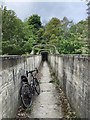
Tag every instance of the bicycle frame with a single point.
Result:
(32, 87)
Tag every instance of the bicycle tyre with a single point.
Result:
(26, 96)
(37, 86)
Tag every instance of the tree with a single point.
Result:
(35, 25)
(34, 21)
(19, 37)
(52, 27)
(0, 31)
(13, 37)
(40, 34)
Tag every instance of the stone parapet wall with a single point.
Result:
(12, 68)
(73, 72)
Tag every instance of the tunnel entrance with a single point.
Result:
(44, 55)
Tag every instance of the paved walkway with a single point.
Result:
(47, 104)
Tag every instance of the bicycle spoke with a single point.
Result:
(26, 96)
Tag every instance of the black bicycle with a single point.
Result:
(28, 90)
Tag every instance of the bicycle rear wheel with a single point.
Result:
(37, 86)
(26, 96)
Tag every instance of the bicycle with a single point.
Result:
(28, 90)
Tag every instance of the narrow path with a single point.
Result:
(47, 104)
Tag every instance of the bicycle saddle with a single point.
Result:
(24, 78)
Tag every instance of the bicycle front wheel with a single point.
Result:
(26, 96)
(37, 86)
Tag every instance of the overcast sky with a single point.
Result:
(75, 11)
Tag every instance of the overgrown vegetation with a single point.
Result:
(19, 37)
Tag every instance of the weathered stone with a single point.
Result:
(13, 67)
(74, 76)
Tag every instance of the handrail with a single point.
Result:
(45, 45)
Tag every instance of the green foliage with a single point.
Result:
(34, 21)
(19, 37)
(40, 35)
(52, 27)
(12, 33)
(69, 46)
(0, 31)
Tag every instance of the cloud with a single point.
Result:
(73, 11)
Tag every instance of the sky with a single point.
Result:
(75, 11)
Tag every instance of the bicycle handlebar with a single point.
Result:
(31, 71)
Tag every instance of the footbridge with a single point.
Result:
(72, 72)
